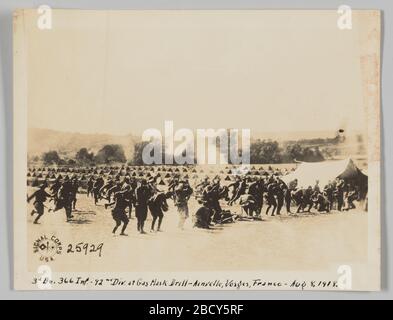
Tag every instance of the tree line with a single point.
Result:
(110, 153)
(261, 152)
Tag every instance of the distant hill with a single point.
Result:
(67, 143)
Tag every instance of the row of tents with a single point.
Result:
(306, 173)
(127, 169)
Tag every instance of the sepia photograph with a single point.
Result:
(196, 149)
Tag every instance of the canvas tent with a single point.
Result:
(308, 172)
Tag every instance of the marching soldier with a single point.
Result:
(90, 184)
(142, 196)
(96, 189)
(74, 190)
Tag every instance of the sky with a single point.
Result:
(124, 72)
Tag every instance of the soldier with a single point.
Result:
(211, 196)
(316, 191)
(96, 189)
(182, 194)
(298, 197)
(142, 196)
(65, 196)
(248, 204)
(115, 187)
(55, 186)
(90, 184)
(118, 212)
(74, 190)
(287, 198)
(54, 189)
(234, 185)
(133, 184)
(292, 185)
(106, 187)
(158, 206)
(340, 194)
(270, 196)
(173, 183)
(40, 197)
(202, 216)
(329, 191)
(307, 199)
(152, 184)
(279, 191)
(322, 202)
(256, 190)
(351, 196)
(241, 189)
(203, 183)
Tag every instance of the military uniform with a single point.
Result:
(40, 197)
(157, 206)
(118, 212)
(182, 194)
(142, 195)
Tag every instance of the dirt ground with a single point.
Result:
(280, 243)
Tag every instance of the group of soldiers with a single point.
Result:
(63, 194)
(253, 193)
(122, 194)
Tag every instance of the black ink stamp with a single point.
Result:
(47, 247)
